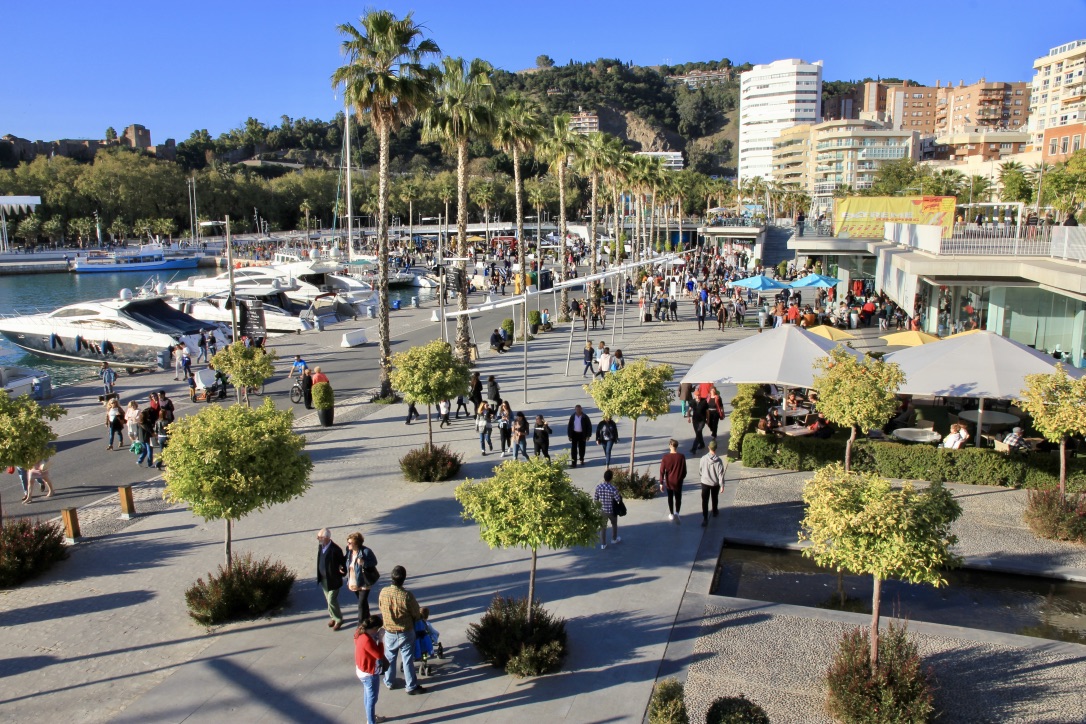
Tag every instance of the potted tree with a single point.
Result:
(535, 319)
(325, 402)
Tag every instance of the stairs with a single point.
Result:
(776, 246)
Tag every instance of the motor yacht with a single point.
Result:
(148, 257)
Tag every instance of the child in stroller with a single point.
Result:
(427, 640)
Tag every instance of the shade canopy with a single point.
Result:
(982, 364)
(815, 280)
(783, 356)
(909, 338)
(830, 332)
(759, 283)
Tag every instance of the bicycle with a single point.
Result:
(296, 392)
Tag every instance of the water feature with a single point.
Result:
(1026, 605)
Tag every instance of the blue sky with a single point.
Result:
(75, 67)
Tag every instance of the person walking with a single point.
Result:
(145, 432)
(577, 431)
(520, 436)
(412, 412)
(484, 425)
(462, 404)
(400, 612)
(306, 382)
(115, 420)
(360, 562)
(699, 415)
(132, 420)
(331, 567)
(475, 392)
(443, 411)
(607, 436)
(505, 428)
(165, 408)
(177, 355)
(109, 379)
(369, 659)
(605, 363)
(716, 411)
(608, 497)
(202, 344)
(493, 393)
(541, 437)
(589, 357)
(712, 470)
(672, 475)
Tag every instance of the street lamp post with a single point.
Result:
(230, 271)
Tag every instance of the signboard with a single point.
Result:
(251, 319)
(862, 217)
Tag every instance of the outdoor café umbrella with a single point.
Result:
(815, 280)
(909, 338)
(758, 283)
(982, 364)
(783, 356)
(831, 333)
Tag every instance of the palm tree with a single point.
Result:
(592, 164)
(558, 147)
(482, 192)
(464, 111)
(386, 83)
(539, 194)
(615, 173)
(444, 188)
(518, 130)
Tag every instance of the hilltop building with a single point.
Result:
(774, 97)
(584, 122)
(703, 78)
(135, 136)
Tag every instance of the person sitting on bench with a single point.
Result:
(496, 342)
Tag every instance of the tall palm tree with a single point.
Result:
(464, 111)
(517, 132)
(387, 84)
(559, 146)
(592, 164)
(538, 192)
(615, 172)
(444, 188)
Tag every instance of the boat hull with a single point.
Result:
(82, 267)
(119, 354)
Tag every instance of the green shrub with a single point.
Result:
(667, 705)
(247, 589)
(743, 417)
(323, 397)
(507, 325)
(534, 317)
(641, 486)
(1051, 515)
(503, 640)
(736, 710)
(390, 400)
(899, 692)
(425, 465)
(29, 548)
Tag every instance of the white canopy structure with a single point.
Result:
(783, 356)
(17, 205)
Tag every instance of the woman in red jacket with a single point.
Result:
(672, 475)
(369, 662)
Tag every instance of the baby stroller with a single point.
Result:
(427, 644)
(208, 387)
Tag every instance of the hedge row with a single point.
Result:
(971, 466)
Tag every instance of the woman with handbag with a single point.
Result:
(361, 572)
(484, 427)
(610, 501)
(369, 663)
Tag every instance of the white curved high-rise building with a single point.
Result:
(773, 97)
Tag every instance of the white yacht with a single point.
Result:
(126, 332)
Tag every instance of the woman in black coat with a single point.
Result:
(307, 388)
(476, 391)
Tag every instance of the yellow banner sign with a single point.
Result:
(862, 217)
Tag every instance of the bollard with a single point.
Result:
(415, 302)
(371, 312)
(435, 317)
(128, 506)
(71, 525)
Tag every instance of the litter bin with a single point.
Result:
(394, 305)
(43, 388)
(546, 279)
(415, 302)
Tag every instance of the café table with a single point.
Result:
(916, 434)
(992, 418)
(796, 430)
(791, 412)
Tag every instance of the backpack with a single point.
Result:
(614, 365)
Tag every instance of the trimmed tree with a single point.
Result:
(859, 395)
(26, 438)
(528, 505)
(1055, 402)
(429, 374)
(858, 522)
(638, 389)
(246, 366)
(227, 462)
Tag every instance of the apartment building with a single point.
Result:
(1058, 94)
(773, 97)
(1061, 141)
(849, 152)
(670, 160)
(584, 122)
(988, 144)
(703, 78)
(792, 156)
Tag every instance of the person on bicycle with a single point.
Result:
(298, 367)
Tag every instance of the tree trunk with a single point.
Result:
(229, 550)
(592, 222)
(562, 231)
(518, 193)
(617, 246)
(429, 428)
(876, 600)
(848, 449)
(1063, 466)
(531, 592)
(633, 446)
(462, 340)
(385, 353)
(652, 222)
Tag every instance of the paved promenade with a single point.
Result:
(104, 636)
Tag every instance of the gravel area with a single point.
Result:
(778, 661)
(991, 534)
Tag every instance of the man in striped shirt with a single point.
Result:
(607, 496)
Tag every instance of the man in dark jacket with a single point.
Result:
(331, 567)
(578, 431)
(699, 415)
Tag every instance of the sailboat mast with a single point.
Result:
(350, 211)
